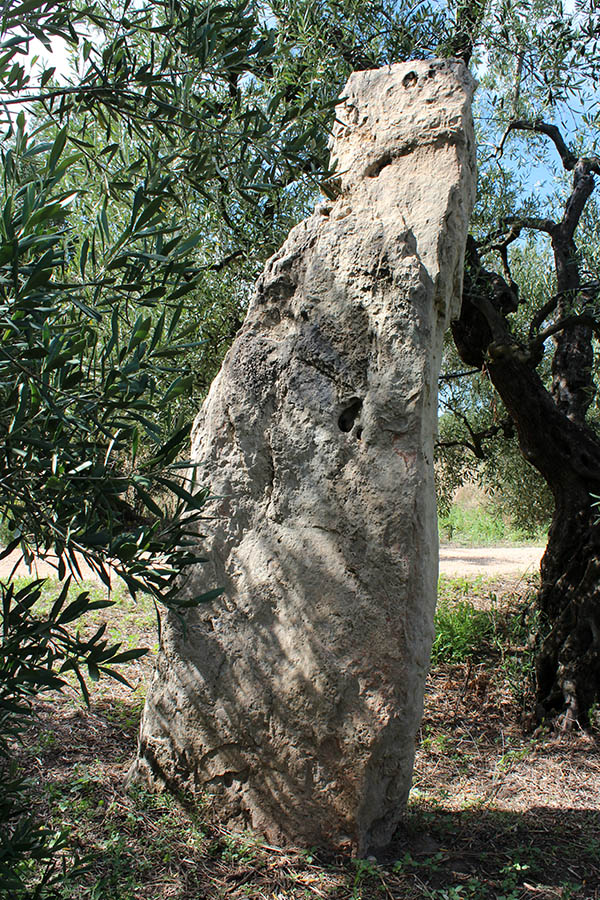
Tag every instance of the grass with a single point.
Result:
(480, 526)
(496, 629)
(496, 811)
(461, 631)
(474, 521)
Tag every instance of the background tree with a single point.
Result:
(537, 347)
(477, 441)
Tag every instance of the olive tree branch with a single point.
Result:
(451, 376)
(583, 185)
(477, 437)
(510, 231)
(541, 315)
(569, 159)
(562, 324)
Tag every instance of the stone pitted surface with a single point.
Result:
(298, 693)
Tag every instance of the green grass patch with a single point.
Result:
(461, 631)
(499, 633)
(480, 525)
(128, 617)
(457, 587)
(128, 838)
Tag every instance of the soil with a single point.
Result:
(490, 561)
(454, 562)
(13, 566)
(497, 809)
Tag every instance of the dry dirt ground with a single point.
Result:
(490, 561)
(454, 561)
(14, 567)
(499, 810)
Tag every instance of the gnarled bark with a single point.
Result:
(554, 438)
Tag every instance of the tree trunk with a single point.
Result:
(567, 454)
(568, 655)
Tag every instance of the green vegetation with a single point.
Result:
(474, 518)
(503, 631)
(492, 467)
(477, 526)
(461, 631)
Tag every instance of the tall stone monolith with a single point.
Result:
(297, 695)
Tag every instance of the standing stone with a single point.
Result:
(297, 694)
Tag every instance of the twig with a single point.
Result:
(385, 887)
(569, 159)
(452, 375)
(463, 689)
(568, 322)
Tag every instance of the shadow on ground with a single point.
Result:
(542, 852)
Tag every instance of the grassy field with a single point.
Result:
(497, 809)
(474, 521)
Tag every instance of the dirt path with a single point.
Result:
(490, 561)
(13, 565)
(454, 561)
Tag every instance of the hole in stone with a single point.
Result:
(228, 778)
(359, 433)
(379, 165)
(409, 79)
(348, 417)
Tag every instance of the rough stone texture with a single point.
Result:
(299, 692)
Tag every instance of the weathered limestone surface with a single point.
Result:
(299, 692)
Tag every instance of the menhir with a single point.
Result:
(297, 695)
